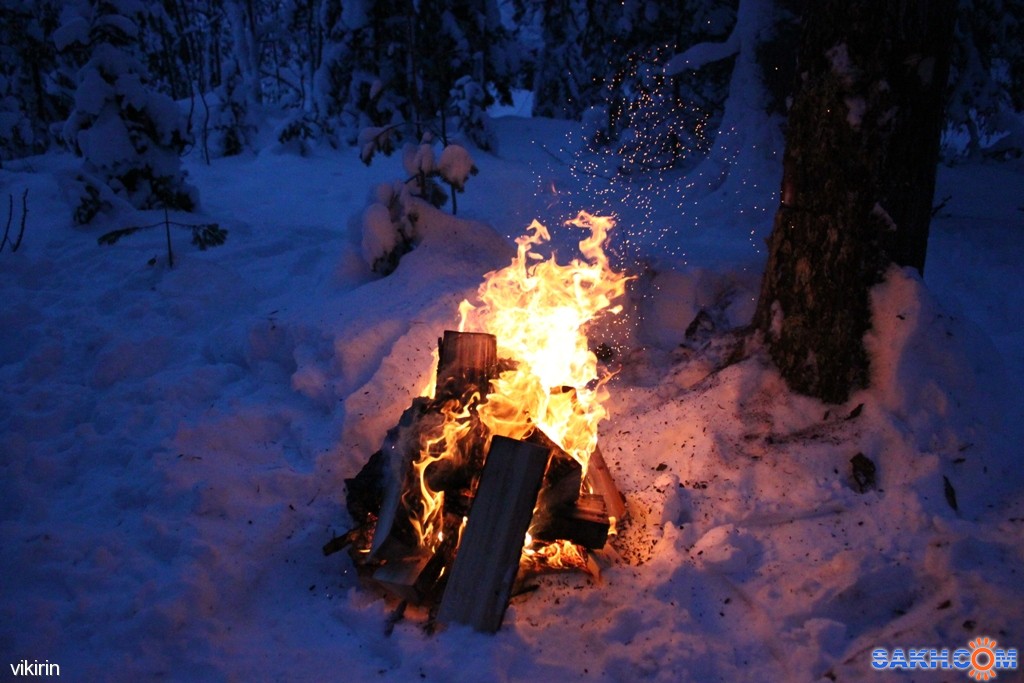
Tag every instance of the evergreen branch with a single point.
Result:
(204, 235)
(112, 237)
(207, 235)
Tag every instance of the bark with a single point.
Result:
(858, 179)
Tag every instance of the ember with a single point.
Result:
(498, 471)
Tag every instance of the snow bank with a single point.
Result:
(175, 442)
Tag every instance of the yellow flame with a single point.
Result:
(554, 555)
(428, 520)
(539, 311)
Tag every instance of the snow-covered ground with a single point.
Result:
(174, 441)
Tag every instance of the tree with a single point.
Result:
(561, 77)
(858, 178)
(987, 75)
(29, 98)
(129, 135)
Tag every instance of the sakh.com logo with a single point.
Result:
(981, 659)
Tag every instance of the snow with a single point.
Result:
(174, 440)
(702, 54)
(842, 66)
(456, 165)
(75, 30)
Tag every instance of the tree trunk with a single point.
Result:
(858, 178)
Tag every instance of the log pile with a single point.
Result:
(459, 553)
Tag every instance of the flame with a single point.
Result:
(428, 520)
(539, 311)
(539, 555)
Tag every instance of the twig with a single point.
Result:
(167, 229)
(553, 155)
(339, 543)
(204, 235)
(395, 617)
(941, 205)
(10, 217)
(24, 215)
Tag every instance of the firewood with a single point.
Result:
(560, 488)
(394, 536)
(417, 579)
(485, 566)
(563, 477)
(395, 617)
(365, 491)
(599, 482)
(584, 523)
(466, 362)
(339, 543)
(400, 577)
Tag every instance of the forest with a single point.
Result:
(746, 278)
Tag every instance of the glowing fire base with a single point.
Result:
(497, 469)
(524, 507)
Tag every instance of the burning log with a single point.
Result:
(420, 579)
(440, 524)
(466, 362)
(394, 536)
(584, 523)
(563, 478)
(485, 566)
(402, 577)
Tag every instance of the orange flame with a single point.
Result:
(539, 311)
(539, 555)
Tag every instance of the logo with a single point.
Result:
(981, 659)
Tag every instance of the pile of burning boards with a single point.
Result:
(448, 513)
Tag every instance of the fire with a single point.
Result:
(539, 311)
(556, 555)
(428, 523)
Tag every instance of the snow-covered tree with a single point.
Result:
(30, 99)
(230, 124)
(653, 120)
(129, 136)
(987, 82)
(562, 85)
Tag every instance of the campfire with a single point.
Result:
(495, 471)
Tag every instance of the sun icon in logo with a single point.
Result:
(983, 658)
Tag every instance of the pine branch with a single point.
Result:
(204, 235)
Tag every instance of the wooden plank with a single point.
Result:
(485, 566)
(599, 481)
(401, 577)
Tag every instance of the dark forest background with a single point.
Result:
(130, 86)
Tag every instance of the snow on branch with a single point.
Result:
(700, 55)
